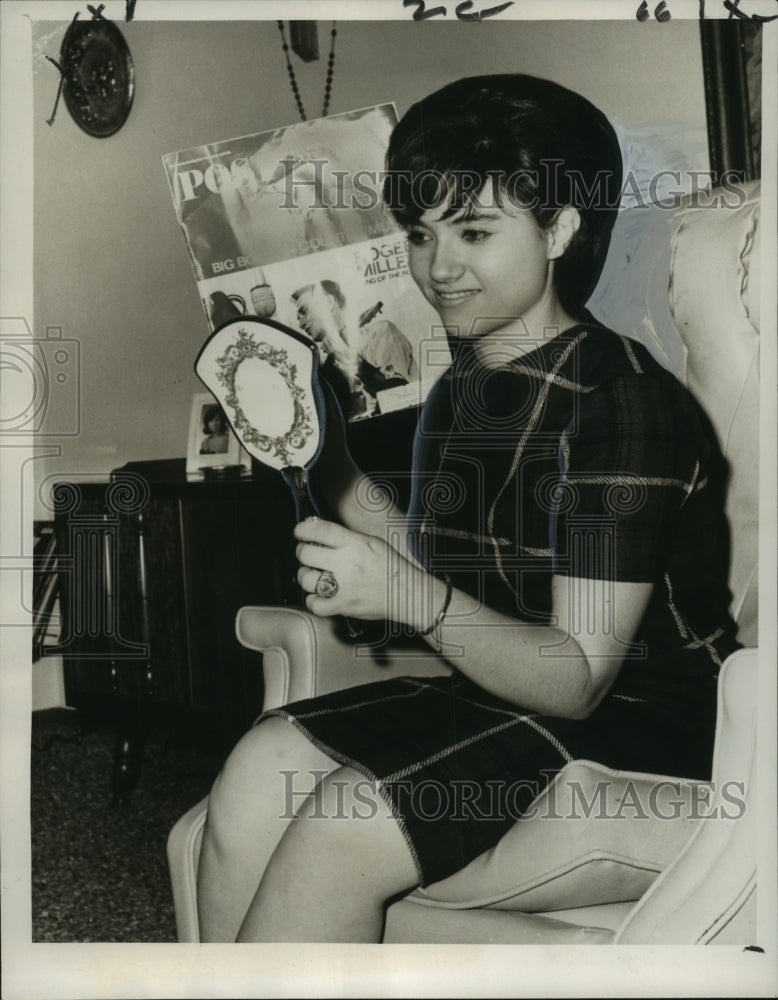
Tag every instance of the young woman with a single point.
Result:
(565, 549)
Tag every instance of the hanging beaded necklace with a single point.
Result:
(293, 79)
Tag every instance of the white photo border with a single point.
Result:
(37, 970)
(197, 462)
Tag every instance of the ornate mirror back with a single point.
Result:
(266, 378)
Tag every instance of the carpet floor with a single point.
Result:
(99, 872)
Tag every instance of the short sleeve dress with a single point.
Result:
(581, 458)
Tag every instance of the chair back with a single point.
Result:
(685, 281)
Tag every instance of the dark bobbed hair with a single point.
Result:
(545, 147)
(214, 410)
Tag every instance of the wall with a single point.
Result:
(111, 267)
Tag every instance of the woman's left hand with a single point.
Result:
(373, 580)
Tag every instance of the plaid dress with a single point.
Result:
(581, 458)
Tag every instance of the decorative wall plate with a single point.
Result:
(99, 76)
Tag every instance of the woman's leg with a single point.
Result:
(265, 779)
(334, 868)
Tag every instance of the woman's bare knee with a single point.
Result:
(272, 766)
(334, 868)
(348, 821)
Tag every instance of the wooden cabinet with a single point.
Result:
(153, 569)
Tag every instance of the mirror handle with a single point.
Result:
(296, 479)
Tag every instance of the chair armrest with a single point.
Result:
(304, 656)
(183, 852)
(708, 894)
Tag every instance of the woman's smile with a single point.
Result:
(452, 297)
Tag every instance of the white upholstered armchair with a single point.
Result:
(669, 865)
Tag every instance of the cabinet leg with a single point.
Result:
(127, 758)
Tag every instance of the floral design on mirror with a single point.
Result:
(294, 422)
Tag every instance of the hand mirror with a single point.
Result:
(266, 378)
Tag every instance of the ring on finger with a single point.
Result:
(326, 585)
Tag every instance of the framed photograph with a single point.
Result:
(212, 447)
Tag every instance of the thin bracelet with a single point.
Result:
(436, 626)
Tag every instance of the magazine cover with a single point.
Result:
(290, 224)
